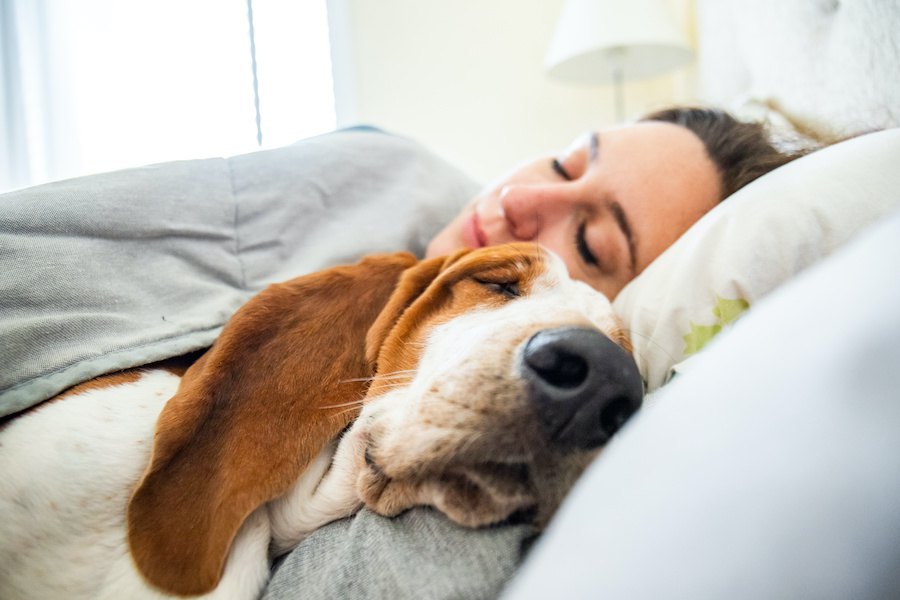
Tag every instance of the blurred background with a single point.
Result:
(96, 85)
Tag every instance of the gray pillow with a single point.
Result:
(121, 269)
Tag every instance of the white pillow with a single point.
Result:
(753, 242)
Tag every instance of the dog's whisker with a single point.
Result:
(343, 412)
(392, 386)
(397, 375)
(351, 403)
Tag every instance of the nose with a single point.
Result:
(583, 386)
(531, 208)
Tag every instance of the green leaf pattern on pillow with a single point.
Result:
(725, 311)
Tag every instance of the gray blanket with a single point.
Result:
(121, 269)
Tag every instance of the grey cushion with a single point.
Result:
(121, 269)
(420, 554)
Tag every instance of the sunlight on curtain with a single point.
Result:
(106, 84)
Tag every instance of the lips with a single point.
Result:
(473, 235)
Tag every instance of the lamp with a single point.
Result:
(610, 41)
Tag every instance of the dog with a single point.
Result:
(481, 384)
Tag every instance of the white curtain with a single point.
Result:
(95, 85)
(31, 81)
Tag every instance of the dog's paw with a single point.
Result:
(379, 492)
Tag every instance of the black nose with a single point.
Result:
(583, 385)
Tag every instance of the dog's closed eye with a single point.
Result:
(509, 289)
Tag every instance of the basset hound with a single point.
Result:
(481, 384)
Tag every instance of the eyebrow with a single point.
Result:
(616, 208)
(622, 221)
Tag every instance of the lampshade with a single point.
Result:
(595, 38)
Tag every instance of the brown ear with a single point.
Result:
(412, 284)
(251, 414)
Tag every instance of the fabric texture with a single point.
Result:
(752, 243)
(420, 554)
(829, 66)
(770, 470)
(121, 269)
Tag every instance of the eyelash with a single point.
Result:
(510, 289)
(560, 170)
(581, 246)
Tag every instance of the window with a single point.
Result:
(97, 85)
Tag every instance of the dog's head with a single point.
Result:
(489, 379)
(494, 387)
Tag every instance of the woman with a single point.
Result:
(608, 205)
(613, 201)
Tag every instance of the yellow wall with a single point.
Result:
(466, 77)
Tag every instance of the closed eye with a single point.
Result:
(584, 251)
(560, 170)
(509, 289)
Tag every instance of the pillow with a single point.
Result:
(751, 243)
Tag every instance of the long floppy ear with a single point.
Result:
(251, 414)
(412, 284)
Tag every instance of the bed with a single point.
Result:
(767, 460)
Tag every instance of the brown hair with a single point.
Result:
(741, 151)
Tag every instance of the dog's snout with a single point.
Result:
(583, 386)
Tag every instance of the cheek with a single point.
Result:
(557, 240)
(449, 238)
(608, 286)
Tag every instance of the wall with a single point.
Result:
(467, 78)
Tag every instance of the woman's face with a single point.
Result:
(608, 205)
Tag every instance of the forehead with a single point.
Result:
(670, 152)
(656, 138)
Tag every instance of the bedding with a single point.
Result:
(770, 470)
(752, 243)
(418, 555)
(827, 66)
(148, 198)
(116, 270)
